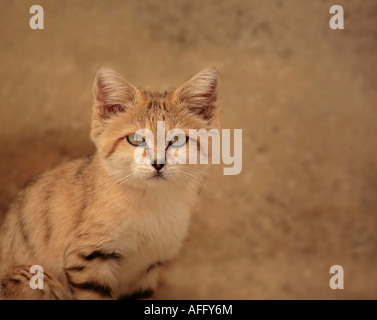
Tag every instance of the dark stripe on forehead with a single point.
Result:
(157, 94)
(156, 100)
(156, 104)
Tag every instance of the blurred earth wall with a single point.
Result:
(304, 95)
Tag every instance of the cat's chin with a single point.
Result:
(147, 182)
(157, 178)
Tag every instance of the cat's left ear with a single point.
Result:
(199, 94)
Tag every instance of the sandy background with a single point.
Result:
(304, 95)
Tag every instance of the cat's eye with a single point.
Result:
(135, 139)
(178, 141)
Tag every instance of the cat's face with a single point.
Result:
(121, 110)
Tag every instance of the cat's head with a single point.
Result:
(121, 109)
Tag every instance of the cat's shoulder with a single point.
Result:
(65, 171)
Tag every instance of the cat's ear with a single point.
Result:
(112, 94)
(199, 94)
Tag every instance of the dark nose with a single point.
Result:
(158, 166)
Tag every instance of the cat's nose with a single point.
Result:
(158, 166)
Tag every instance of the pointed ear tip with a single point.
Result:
(210, 73)
(211, 70)
(103, 70)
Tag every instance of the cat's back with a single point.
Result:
(43, 212)
(52, 184)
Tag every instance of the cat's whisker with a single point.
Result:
(119, 181)
(196, 179)
(111, 177)
(193, 173)
(191, 178)
(187, 182)
(209, 179)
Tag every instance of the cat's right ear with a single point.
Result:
(112, 94)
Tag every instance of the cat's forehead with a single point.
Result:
(155, 95)
(157, 106)
(156, 101)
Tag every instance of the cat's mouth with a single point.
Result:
(157, 176)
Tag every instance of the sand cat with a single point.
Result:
(102, 226)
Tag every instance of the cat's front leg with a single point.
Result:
(90, 272)
(146, 284)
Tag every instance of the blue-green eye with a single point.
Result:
(135, 139)
(178, 141)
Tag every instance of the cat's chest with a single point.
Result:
(154, 233)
